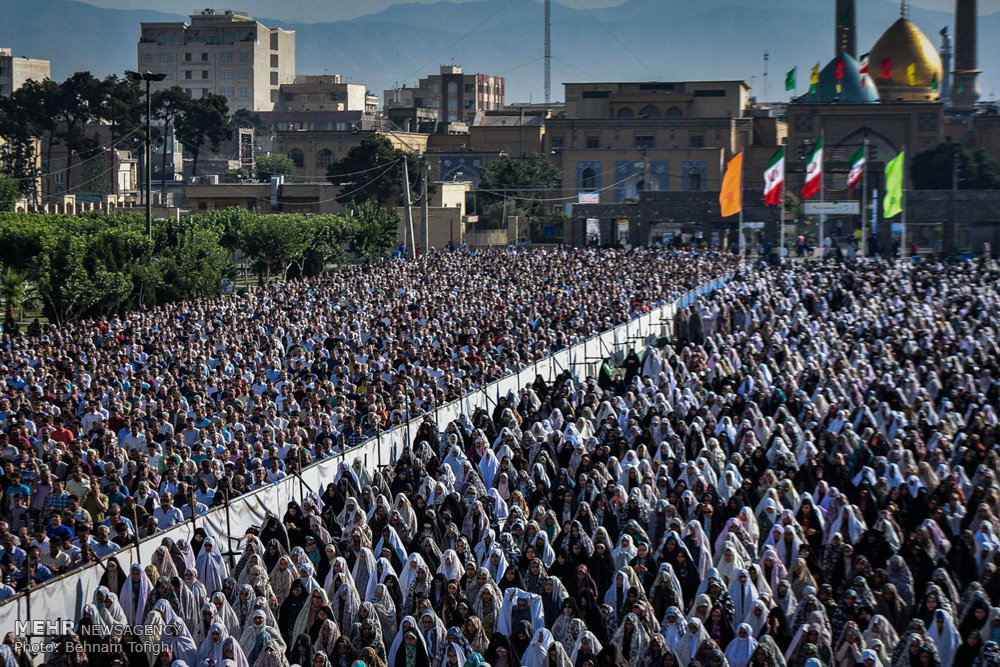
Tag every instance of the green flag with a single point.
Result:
(934, 83)
(790, 79)
(893, 202)
(845, 18)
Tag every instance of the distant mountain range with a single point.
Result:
(639, 40)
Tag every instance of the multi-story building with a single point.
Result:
(616, 143)
(15, 70)
(456, 96)
(617, 139)
(226, 53)
(326, 92)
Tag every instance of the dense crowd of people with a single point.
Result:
(807, 476)
(114, 430)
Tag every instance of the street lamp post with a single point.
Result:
(148, 77)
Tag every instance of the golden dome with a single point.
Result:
(906, 46)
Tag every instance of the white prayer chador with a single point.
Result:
(510, 598)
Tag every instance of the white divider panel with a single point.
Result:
(66, 596)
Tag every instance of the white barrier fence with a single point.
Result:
(64, 597)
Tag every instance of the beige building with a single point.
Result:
(615, 140)
(226, 53)
(313, 151)
(326, 92)
(266, 197)
(15, 70)
(457, 96)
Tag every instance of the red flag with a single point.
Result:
(839, 70)
(887, 68)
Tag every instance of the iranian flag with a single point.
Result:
(857, 161)
(774, 178)
(814, 171)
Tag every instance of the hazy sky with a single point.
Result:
(313, 11)
(299, 11)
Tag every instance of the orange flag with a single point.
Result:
(731, 196)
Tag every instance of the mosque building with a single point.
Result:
(899, 97)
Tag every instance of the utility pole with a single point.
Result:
(864, 199)
(548, 52)
(409, 209)
(148, 77)
(767, 57)
(425, 168)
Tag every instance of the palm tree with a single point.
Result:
(15, 291)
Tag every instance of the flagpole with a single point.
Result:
(822, 192)
(740, 223)
(902, 170)
(864, 201)
(781, 241)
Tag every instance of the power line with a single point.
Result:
(625, 46)
(457, 41)
(81, 162)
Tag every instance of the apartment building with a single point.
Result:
(457, 96)
(227, 53)
(15, 70)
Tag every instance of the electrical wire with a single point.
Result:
(460, 39)
(81, 162)
(625, 46)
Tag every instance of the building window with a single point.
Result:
(274, 78)
(243, 75)
(803, 123)
(927, 122)
(226, 75)
(644, 142)
(187, 74)
(204, 74)
(297, 158)
(166, 57)
(274, 60)
(626, 112)
(649, 111)
(557, 142)
(593, 142)
(187, 57)
(189, 92)
(148, 59)
(470, 88)
(169, 76)
(274, 41)
(323, 158)
(694, 179)
(226, 57)
(244, 57)
(244, 92)
(674, 112)
(697, 141)
(204, 57)
(588, 179)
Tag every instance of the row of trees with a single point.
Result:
(96, 264)
(68, 114)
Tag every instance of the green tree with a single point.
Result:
(32, 111)
(373, 170)
(190, 260)
(204, 122)
(9, 193)
(373, 230)
(168, 105)
(275, 242)
(933, 169)
(251, 119)
(81, 100)
(15, 291)
(522, 181)
(274, 164)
